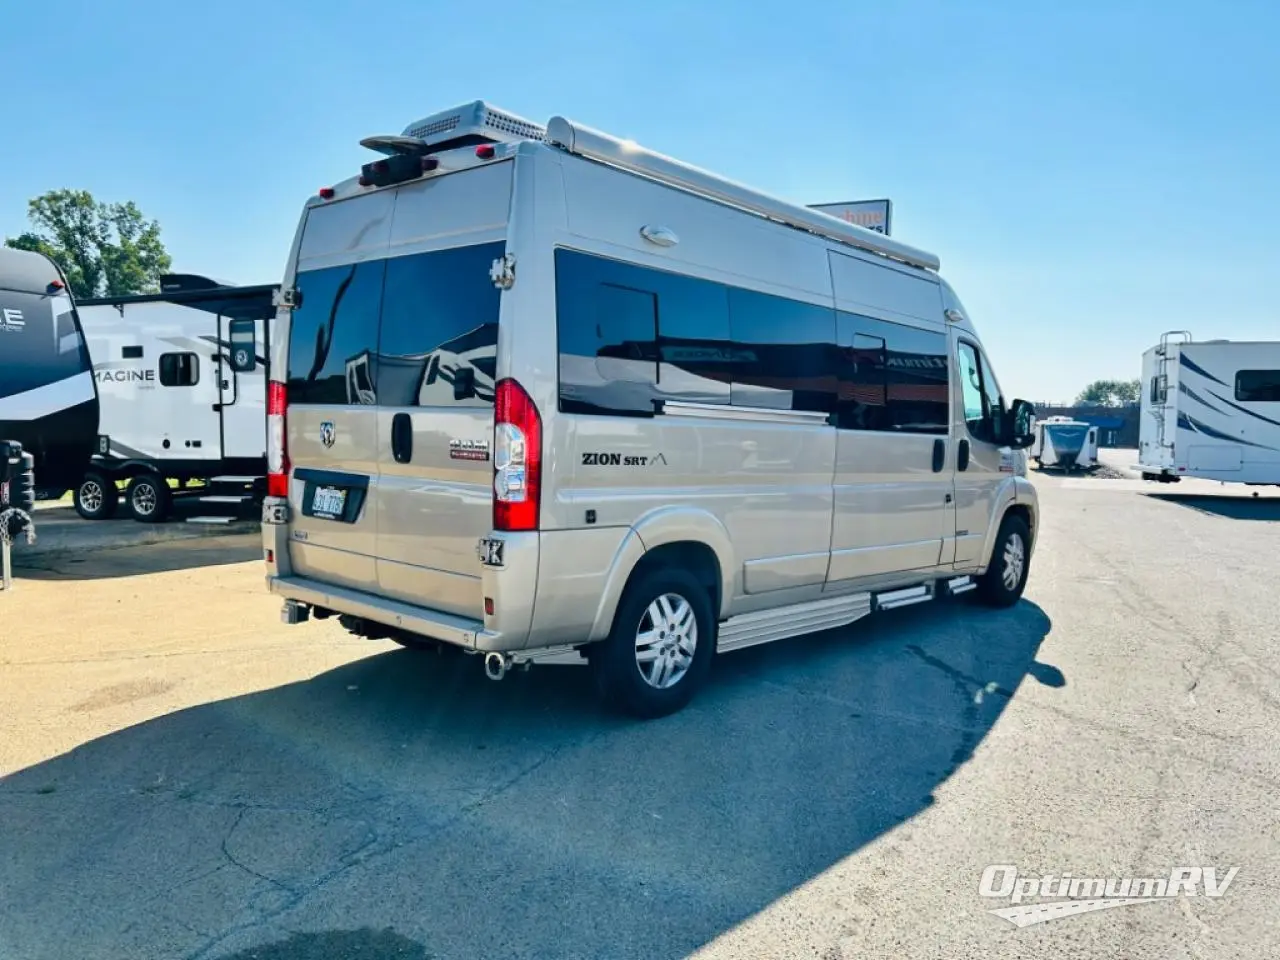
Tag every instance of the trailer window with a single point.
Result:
(1258, 386)
(179, 369)
(131, 353)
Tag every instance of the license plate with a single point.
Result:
(328, 502)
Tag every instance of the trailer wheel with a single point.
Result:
(149, 498)
(96, 497)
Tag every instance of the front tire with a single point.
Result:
(659, 652)
(1006, 576)
(96, 498)
(149, 498)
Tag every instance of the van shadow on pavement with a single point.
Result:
(405, 803)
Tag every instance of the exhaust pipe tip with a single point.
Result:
(496, 665)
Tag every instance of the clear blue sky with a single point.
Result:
(1090, 173)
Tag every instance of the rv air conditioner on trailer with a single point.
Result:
(47, 398)
(1210, 410)
(182, 376)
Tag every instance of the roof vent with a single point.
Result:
(466, 126)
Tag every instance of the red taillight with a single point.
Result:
(277, 451)
(326, 193)
(517, 458)
(56, 285)
(485, 151)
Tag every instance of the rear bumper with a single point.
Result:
(437, 625)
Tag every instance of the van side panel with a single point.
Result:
(891, 509)
(735, 316)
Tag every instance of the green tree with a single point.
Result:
(105, 249)
(1110, 393)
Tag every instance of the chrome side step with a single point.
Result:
(893, 599)
(750, 629)
(961, 585)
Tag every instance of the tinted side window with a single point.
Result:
(696, 355)
(629, 335)
(333, 335)
(438, 344)
(783, 351)
(179, 369)
(606, 323)
(893, 377)
(983, 405)
(1258, 386)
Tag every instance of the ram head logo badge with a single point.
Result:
(328, 433)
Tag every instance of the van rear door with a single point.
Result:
(332, 422)
(436, 370)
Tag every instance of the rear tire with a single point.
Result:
(96, 498)
(1006, 576)
(149, 498)
(659, 652)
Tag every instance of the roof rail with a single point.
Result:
(594, 145)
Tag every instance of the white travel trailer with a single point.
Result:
(1065, 443)
(1210, 410)
(181, 377)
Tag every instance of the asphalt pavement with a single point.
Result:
(181, 775)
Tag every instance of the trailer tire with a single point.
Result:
(149, 498)
(96, 496)
(1006, 576)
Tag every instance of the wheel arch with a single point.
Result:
(670, 536)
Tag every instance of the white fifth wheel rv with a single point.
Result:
(1210, 410)
(1065, 443)
(182, 379)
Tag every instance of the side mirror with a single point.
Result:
(1021, 425)
(243, 349)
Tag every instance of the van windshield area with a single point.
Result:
(412, 331)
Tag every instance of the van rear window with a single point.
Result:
(419, 330)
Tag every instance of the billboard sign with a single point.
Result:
(874, 215)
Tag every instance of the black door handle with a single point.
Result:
(402, 438)
(939, 454)
(962, 455)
